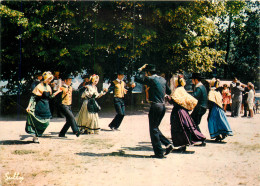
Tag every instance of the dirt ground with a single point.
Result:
(123, 157)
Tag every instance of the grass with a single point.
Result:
(22, 152)
(97, 143)
(251, 147)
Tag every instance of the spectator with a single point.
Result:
(250, 100)
(236, 95)
(226, 97)
(244, 100)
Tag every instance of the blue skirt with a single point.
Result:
(218, 123)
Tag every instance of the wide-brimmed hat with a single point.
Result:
(196, 76)
(68, 76)
(37, 75)
(120, 72)
(85, 76)
(150, 68)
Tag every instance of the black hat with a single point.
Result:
(120, 72)
(196, 76)
(68, 76)
(38, 74)
(150, 68)
(85, 76)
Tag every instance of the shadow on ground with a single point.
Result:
(15, 142)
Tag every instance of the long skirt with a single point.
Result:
(87, 121)
(183, 128)
(218, 123)
(35, 125)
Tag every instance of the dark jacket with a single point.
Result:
(200, 93)
(158, 87)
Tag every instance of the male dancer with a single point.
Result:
(65, 108)
(37, 81)
(157, 90)
(82, 86)
(118, 87)
(200, 93)
(55, 85)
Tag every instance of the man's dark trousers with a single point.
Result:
(156, 114)
(70, 120)
(197, 114)
(120, 110)
(245, 108)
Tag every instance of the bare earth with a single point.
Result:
(123, 157)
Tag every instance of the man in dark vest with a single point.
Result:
(82, 86)
(119, 89)
(38, 78)
(200, 93)
(157, 91)
(65, 107)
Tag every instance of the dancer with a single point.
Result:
(82, 86)
(54, 103)
(38, 109)
(119, 89)
(87, 118)
(65, 108)
(219, 127)
(157, 90)
(200, 93)
(36, 81)
(183, 128)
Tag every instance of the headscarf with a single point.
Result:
(93, 78)
(180, 81)
(47, 75)
(214, 82)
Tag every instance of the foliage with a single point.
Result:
(243, 59)
(102, 37)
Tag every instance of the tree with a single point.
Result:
(101, 37)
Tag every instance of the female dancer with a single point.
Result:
(39, 113)
(218, 125)
(183, 128)
(87, 118)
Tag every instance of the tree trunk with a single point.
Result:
(228, 46)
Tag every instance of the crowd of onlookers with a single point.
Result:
(240, 98)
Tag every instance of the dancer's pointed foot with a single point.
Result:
(169, 149)
(35, 140)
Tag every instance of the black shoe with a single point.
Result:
(203, 144)
(116, 129)
(243, 116)
(62, 136)
(158, 156)
(182, 149)
(110, 127)
(78, 133)
(169, 149)
(218, 139)
(223, 136)
(35, 140)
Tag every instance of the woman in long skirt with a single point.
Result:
(183, 128)
(87, 118)
(39, 113)
(219, 127)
